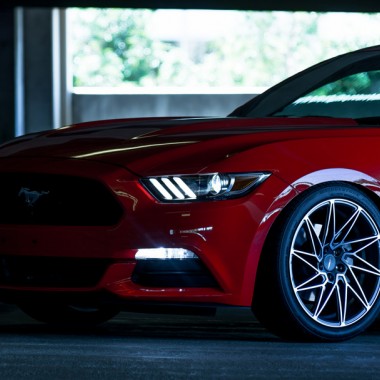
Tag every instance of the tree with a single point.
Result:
(114, 47)
(111, 46)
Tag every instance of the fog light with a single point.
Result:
(165, 254)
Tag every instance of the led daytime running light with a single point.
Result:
(203, 187)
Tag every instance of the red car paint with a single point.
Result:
(227, 235)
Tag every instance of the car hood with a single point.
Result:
(155, 146)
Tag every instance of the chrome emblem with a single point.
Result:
(31, 196)
(329, 262)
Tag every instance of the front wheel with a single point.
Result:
(320, 274)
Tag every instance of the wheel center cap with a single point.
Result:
(329, 262)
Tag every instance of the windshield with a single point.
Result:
(354, 96)
(347, 86)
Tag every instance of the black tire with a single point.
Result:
(319, 275)
(68, 314)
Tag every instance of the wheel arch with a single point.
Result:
(270, 277)
(364, 183)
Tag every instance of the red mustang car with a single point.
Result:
(275, 207)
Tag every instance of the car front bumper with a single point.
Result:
(56, 258)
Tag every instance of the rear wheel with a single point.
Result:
(68, 314)
(320, 273)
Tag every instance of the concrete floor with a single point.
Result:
(232, 345)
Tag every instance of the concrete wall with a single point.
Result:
(97, 107)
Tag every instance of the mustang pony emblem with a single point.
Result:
(31, 196)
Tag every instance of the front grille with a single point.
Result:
(51, 271)
(56, 200)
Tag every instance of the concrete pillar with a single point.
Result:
(7, 74)
(37, 69)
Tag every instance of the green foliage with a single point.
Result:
(356, 84)
(101, 40)
(118, 47)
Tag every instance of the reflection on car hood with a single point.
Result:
(148, 146)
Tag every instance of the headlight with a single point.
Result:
(215, 186)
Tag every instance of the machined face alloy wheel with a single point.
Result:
(334, 263)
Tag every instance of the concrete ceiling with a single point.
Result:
(288, 5)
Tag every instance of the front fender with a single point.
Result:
(290, 192)
(336, 174)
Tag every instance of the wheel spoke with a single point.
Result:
(368, 241)
(367, 266)
(342, 292)
(302, 287)
(330, 224)
(306, 258)
(314, 238)
(374, 270)
(303, 253)
(361, 295)
(371, 239)
(347, 227)
(322, 302)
